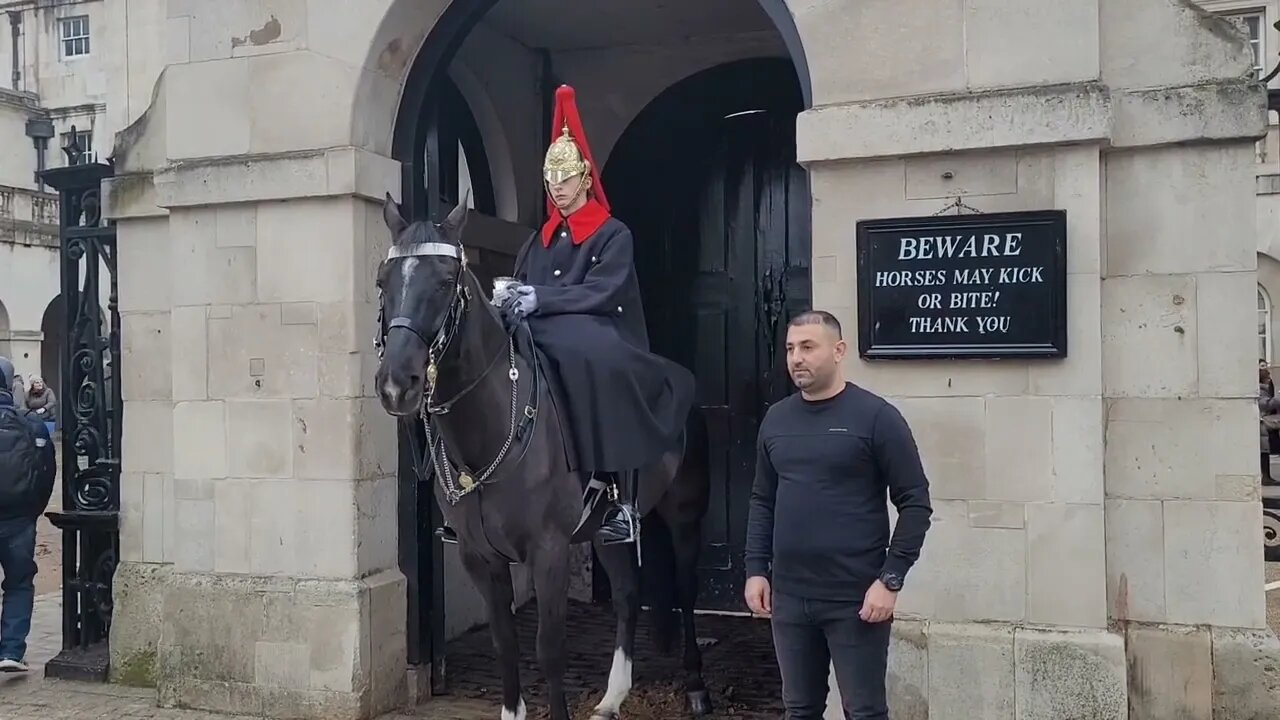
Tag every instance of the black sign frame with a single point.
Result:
(1052, 343)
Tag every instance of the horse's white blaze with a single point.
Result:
(619, 684)
(407, 267)
(517, 715)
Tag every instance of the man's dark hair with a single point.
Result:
(817, 317)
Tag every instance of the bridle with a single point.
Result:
(438, 346)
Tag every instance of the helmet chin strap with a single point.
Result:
(582, 188)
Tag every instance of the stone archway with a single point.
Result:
(470, 43)
(53, 327)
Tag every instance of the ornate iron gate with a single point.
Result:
(91, 415)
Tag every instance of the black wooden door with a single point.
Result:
(750, 274)
(707, 180)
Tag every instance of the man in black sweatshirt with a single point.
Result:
(819, 559)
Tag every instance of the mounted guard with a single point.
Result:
(575, 282)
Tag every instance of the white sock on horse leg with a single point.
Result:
(619, 683)
(517, 714)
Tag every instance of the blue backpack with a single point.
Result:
(19, 461)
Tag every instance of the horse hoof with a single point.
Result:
(699, 702)
(599, 714)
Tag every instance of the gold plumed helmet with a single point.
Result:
(564, 160)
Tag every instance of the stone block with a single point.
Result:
(1170, 673)
(986, 514)
(1019, 449)
(1164, 204)
(1155, 448)
(148, 437)
(210, 274)
(388, 639)
(298, 113)
(1246, 674)
(259, 438)
(946, 176)
(919, 50)
(1080, 373)
(908, 675)
(961, 653)
(1078, 452)
(345, 326)
(951, 435)
(342, 375)
(1223, 371)
(375, 501)
(324, 439)
(232, 550)
(199, 440)
(320, 230)
(145, 344)
(323, 628)
(259, 25)
(253, 355)
(1228, 110)
(1054, 42)
(194, 531)
(378, 451)
(1148, 316)
(1066, 565)
(207, 109)
(236, 225)
(1135, 560)
(137, 592)
(145, 251)
(1069, 674)
(1077, 171)
(1152, 43)
(1218, 545)
(902, 126)
(961, 562)
(189, 330)
(326, 544)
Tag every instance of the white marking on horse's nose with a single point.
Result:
(391, 390)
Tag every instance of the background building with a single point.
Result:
(57, 58)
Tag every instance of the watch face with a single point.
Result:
(891, 581)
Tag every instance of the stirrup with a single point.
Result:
(620, 528)
(447, 535)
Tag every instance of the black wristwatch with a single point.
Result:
(891, 580)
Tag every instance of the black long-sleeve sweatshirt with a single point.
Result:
(819, 520)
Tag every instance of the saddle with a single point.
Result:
(527, 349)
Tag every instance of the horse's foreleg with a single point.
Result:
(494, 580)
(551, 585)
(686, 539)
(625, 583)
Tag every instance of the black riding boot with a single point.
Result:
(621, 522)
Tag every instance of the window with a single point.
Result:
(74, 33)
(1251, 24)
(1264, 326)
(84, 139)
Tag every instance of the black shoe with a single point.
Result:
(620, 525)
(447, 535)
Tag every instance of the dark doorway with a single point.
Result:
(53, 328)
(707, 179)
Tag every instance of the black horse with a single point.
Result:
(495, 443)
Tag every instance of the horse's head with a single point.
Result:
(423, 291)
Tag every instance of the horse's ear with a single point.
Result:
(457, 219)
(392, 217)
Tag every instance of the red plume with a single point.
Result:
(566, 112)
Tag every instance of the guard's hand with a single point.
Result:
(877, 605)
(759, 596)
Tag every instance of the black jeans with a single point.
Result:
(811, 635)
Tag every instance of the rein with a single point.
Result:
(467, 480)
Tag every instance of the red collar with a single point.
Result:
(582, 224)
